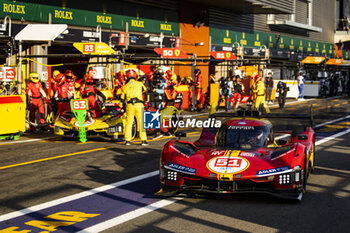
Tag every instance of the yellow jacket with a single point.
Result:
(133, 89)
(259, 88)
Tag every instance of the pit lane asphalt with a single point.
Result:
(86, 166)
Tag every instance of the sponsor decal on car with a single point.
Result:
(227, 165)
(247, 154)
(241, 127)
(181, 168)
(226, 153)
(87, 123)
(217, 153)
(272, 171)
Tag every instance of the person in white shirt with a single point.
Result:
(301, 82)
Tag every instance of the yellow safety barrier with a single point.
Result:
(214, 94)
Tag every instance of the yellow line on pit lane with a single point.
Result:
(55, 157)
(7, 144)
(320, 108)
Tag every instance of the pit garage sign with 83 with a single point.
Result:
(94, 48)
(79, 108)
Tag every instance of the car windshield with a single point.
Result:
(242, 137)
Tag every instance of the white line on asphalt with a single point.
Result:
(75, 196)
(128, 216)
(332, 137)
(24, 141)
(330, 122)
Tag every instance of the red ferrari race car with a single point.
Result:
(241, 156)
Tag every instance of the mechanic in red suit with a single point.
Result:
(119, 82)
(91, 93)
(170, 91)
(199, 88)
(51, 95)
(238, 91)
(62, 94)
(70, 78)
(36, 97)
(149, 76)
(53, 83)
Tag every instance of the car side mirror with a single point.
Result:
(180, 134)
(302, 137)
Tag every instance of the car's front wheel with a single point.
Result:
(305, 175)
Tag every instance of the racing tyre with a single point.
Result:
(261, 109)
(305, 174)
(174, 119)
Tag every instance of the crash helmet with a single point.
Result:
(131, 74)
(121, 76)
(258, 78)
(89, 79)
(169, 74)
(69, 74)
(197, 72)
(60, 79)
(55, 73)
(91, 71)
(150, 75)
(34, 77)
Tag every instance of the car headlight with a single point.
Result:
(297, 168)
(116, 129)
(285, 178)
(297, 177)
(112, 129)
(171, 175)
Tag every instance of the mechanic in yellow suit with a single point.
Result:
(132, 95)
(259, 90)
